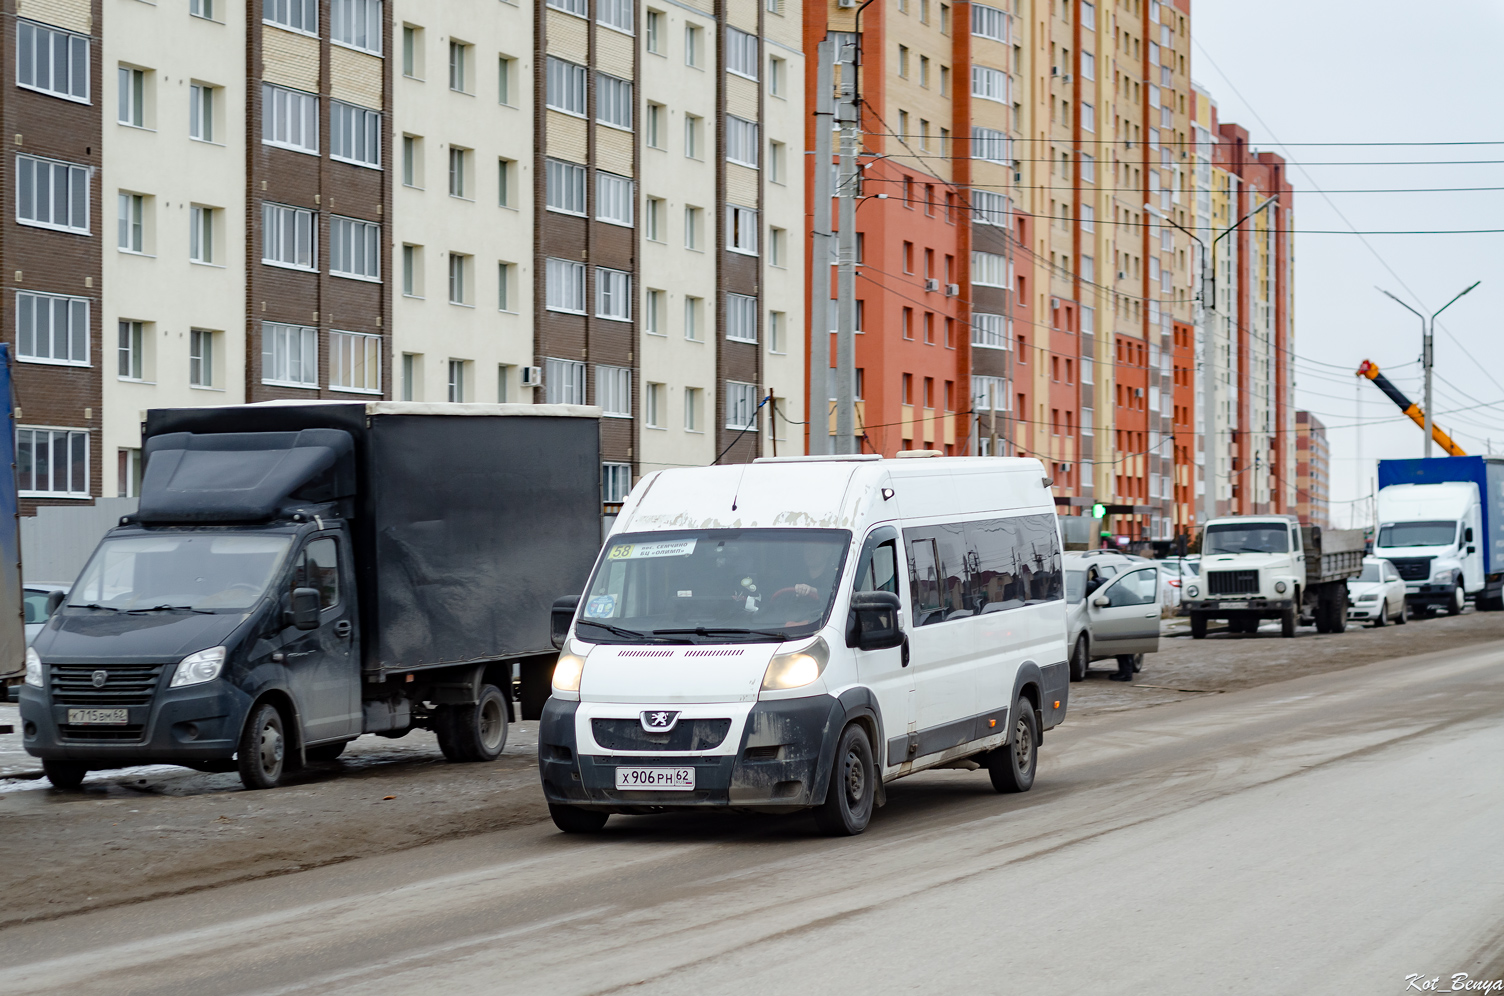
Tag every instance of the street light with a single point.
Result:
(1427, 335)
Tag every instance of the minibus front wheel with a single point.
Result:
(1012, 765)
(853, 786)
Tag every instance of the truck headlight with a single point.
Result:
(1441, 577)
(567, 673)
(1193, 591)
(1280, 587)
(195, 669)
(33, 668)
(797, 669)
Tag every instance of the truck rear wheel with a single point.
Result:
(67, 775)
(262, 753)
(474, 732)
(1198, 626)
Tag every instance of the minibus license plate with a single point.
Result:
(87, 717)
(1235, 605)
(655, 779)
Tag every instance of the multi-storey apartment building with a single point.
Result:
(1313, 461)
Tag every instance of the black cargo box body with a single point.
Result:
(469, 519)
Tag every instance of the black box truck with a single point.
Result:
(300, 574)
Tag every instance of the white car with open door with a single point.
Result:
(1112, 609)
(1377, 595)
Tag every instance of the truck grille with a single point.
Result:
(116, 734)
(690, 734)
(1412, 568)
(1232, 582)
(124, 685)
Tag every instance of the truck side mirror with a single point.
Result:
(873, 621)
(305, 608)
(1467, 535)
(55, 601)
(560, 618)
(1315, 534)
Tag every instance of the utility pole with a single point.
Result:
(1428, 333)
(819, 318)
(847, 117)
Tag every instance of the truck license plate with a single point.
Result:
(87, 717)
(1235, 605)
(655, 779)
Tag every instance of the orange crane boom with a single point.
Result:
(1370, 370)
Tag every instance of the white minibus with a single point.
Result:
(795, 632)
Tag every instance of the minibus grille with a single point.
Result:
(1232, 582)
(689, 735)
(124, 684)
(1412, 568)
(96, 734)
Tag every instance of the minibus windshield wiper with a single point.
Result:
(709, 631)
(93, 605)
(170, 608)
(630, 634)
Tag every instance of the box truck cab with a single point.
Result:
(1431, 533)
(796, 632)
(298, 575)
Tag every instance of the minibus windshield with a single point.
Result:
(1246, 537)
(713, 586)
(202, 571)
(1417, 534)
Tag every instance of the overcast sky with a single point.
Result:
(1309, 71)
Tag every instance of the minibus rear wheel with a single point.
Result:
(1012, 765)
(853, 786)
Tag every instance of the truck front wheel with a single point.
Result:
(1198, 626)
(1454, 607)
(476, 731)
(1287, 622)
(262, 754)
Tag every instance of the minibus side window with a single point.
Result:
(924, 581)
(879, 569)
(317, 567)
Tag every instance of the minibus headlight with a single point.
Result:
(195, 669)
(33, 668)
(797, 669)
(567, 673)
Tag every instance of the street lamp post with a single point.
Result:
(1427, 338)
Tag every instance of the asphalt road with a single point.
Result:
(1332, 833)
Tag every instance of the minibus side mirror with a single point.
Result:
(560, 618)
(873, 621)
(1467, 536)
(55, 601)
(305, 608)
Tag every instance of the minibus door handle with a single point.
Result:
(904, 650)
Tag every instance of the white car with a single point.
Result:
(1112, 609)
(1377, 595)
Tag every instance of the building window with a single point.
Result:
(989, 269)
(693, 43)
(903, 61)
(1088, 17)
(132, 223)
(354, 248)
(777, 153)
(988, 207)
(287, 236)
(741, 318)
(564, 189)
(613, 391)
(694, 308)
(200, 358)
(506, 170)
(355, 362)
(505, 67)
(989, 84)
(566, 87)
(201, 112)
(52, 329)
(777, 247)
(654, 137)
(613, 101)
(130, 351)
(777, 75)
(412, 161)
(989, 22)
(990, 145)
(132, 97)
(692, 398)
(52, 462)
(459, 278)
(741, 405)
(412, 52)
(741, 141)
(289, 119)
(564, 382)
(652, 313)
(201, 232)
(459, 67)
(989, 331)
(741, 229)
(1088, 118)
(1088, 168)
(924, 71)
(692, 217)
(504, 290)
(616, 482)
(289, 355)
(412, 271)
(204, 9)
(458, 169)
(776, 335)
(652, 403)
(616, 14)
(613, 294)
(614, 198)
(52, 194)
(457, 381)
(356, 134)
(653, 209)
(654, 42)
(53, 61)
(989, 394)
(356, 23)
(576, 7)
(741, 53)
(295, 15)
(692, 128)
(565, 286)
(1088, 66)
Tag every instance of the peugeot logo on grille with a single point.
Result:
(100, 677)
(659, 720)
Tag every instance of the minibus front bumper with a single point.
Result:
(780, 761)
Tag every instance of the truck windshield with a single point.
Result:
(718, 585)
(204, 571)
(1417, 534)
(1246, 537)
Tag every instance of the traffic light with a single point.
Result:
(1099, 511)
